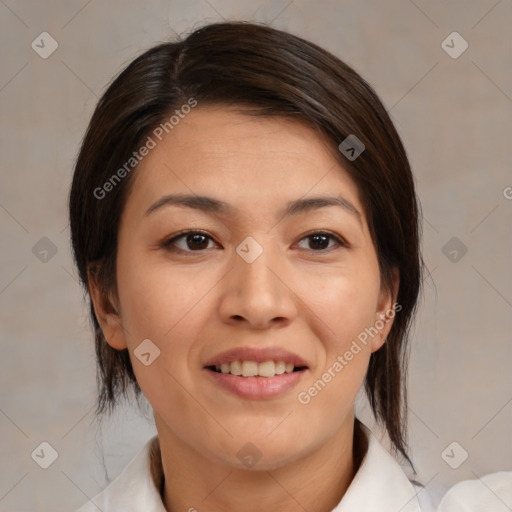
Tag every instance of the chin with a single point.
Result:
(259, 454)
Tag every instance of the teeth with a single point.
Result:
(267, 369)
(280, 368)
(249, 368)
(235, 368)
(253, 369)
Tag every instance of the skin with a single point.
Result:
(311, 299)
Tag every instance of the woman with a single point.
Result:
(244, 219)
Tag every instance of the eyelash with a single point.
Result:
(168, 244)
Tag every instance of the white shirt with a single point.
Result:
(492, 493)
(380, 485)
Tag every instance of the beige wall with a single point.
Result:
(455, 117)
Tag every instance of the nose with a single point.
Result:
(258, 294)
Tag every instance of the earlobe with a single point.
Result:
(386, 311)
(107, 314)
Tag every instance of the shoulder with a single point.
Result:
(491, 493)
(135, 489)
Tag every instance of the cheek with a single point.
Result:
(159, 301)
(164, 306)
(346, 313)
(347, 304)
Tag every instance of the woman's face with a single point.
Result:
(254, 286)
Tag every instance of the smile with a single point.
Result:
(249, 384)
(254, 369)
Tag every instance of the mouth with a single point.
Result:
(266, 369)
(256, 373)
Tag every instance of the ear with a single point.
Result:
(107, 313)
(386, 310)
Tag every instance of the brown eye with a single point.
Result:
(319, 241)
(197, 241)
(189, 241)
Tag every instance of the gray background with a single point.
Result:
(454, 115)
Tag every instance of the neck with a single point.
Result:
(316, 481)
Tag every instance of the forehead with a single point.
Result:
(246, 160)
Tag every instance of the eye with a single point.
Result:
(190, 241)
(196, 241)
(319, 241)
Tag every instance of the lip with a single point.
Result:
(256, 388)
(257, 354)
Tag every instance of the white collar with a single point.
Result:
(135, 489)
(379, 485)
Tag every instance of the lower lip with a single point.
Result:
(255, 388)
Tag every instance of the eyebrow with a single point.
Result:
(212, 205)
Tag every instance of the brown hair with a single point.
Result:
(276, 74)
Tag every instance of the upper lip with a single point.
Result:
(257, 354)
